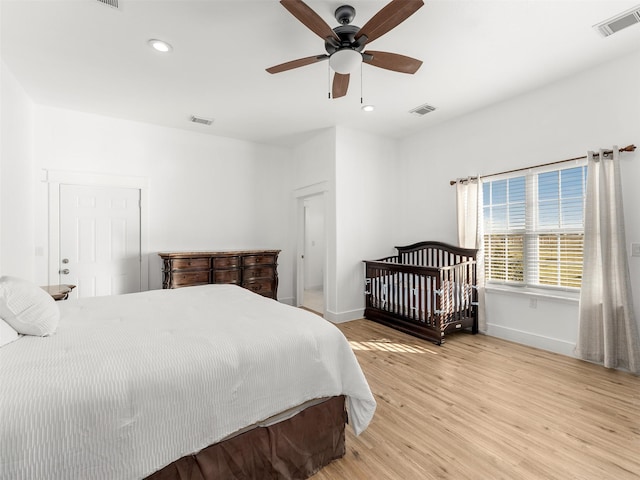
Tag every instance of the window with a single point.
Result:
(534, 228)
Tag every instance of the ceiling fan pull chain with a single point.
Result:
(361, 94)
(328, 81)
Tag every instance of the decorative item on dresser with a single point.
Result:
(255, 270)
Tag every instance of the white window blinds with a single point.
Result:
(534, 228)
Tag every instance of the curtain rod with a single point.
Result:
(628, 148)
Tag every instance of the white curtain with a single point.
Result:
(467, 206)
(608, 332)
(469, 214)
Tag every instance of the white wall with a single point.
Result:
(273, 180)
(205, 192)
(358, 169)
(17, 247)
(314, 159)
(365, 207)
(596, 109)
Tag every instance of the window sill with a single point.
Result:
(573, 297)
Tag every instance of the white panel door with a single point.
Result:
(100, 239)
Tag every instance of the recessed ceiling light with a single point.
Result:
(368, 108)
(159, 45)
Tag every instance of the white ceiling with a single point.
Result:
(83, 55)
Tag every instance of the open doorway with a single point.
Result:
(313, 254)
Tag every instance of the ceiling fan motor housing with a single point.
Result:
(346, 34)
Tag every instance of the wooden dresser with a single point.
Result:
(256, 270)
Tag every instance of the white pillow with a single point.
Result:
(7, 333)
(27, 308)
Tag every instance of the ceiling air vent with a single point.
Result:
(422, 109)
(200, 120)
(619, 22)
(109, 3)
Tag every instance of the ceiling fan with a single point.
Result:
(345, 44)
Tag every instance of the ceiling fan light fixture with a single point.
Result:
(368, 108)
(345, 60)
(160, 45)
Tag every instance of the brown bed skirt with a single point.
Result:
(295, 448)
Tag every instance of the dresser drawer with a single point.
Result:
(226, 262)
(250, 260)
(264, 287)
(226, 276)
(185, 279)
(189, 263)
(251, 273)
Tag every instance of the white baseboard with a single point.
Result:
(333, 317)
(555, 345)
(342, 317)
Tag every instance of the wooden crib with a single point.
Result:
(427, 290)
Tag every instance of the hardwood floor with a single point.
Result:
(483, 408)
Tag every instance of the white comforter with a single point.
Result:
(119, 390)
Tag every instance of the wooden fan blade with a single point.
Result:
(392, 15)
(301, 62)
(340, 85)
(309, 18)
(392, 61)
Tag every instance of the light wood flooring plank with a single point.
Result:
(483, 408)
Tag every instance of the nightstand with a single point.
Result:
(59, 292)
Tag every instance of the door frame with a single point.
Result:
(56, 178)
(300, 195)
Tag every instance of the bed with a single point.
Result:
(428, 290)
(212, 381)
